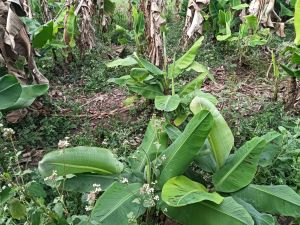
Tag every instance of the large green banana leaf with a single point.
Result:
(279, 199)
(182, 151)
(259, 218)
(28, 95)
(10, 91)
(80, 160)
(272, 148)
(181, 191)
(220, 138)
(297, 23)
(114, 206)
(229, 212)
(154, 142)
(186, 60)
(239, 171)
(83, 183)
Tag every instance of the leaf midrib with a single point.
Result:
(82, 167)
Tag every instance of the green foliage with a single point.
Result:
(279, 199)
(181, 191)
(13, 95)
(116, 204)
(220, 138)
(297, 22)
(241, 168)
(80, 160)
(207, 213)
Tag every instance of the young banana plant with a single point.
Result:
(149, 81)
(158, 175)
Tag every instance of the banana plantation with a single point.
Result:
(150, 112)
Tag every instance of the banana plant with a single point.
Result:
(149, 81)
(91, 165)
(159, 175)
(14, 95)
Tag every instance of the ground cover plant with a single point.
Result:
(149, 112)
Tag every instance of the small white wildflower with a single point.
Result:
(137, 201)
(154, 182)
(98, 188)
(104, 142)
(88, 208)
(124, 181)
(163, 158)
(146, 189)
(91, 198)
(165, 210)
(131, 218)
(8, 132)
(125, 142)
(9, 185)
(156, 198)
(3, 187)
(63, 143)
(52, 177)
(157, 145)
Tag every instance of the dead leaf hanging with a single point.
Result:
(15, 42)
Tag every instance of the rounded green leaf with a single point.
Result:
(80, 160)
(10, 91)
(17, 209)
(28, 95)
(181, 191)
(229, 212)
(167, 103)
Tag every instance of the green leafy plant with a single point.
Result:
(149, 81)
(14, 95)
(157, 171)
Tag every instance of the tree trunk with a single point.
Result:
(193, 20)
(153, 22)
(291, 93)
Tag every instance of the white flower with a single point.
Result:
(52, 177)
(157, 145)
(98, 188)
(124, 181)
(64, 143)
(165, 210)
(8, 132)
(156, 197)
(146, 189)
(163, 158)
(88, 208)
(91, 198)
